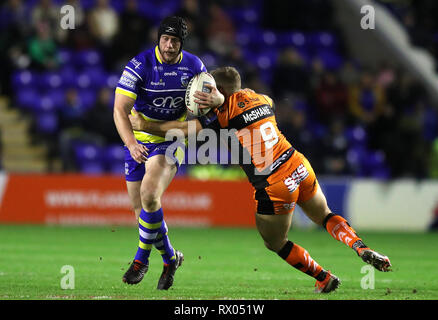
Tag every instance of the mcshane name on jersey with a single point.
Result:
(256, 113)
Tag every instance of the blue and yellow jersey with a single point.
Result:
(158, 88)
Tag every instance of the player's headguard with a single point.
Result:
(174, 26)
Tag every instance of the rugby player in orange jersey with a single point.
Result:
(281, 176)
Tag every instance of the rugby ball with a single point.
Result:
(197, 83)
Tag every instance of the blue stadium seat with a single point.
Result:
(241, 17)
(57, 96)
(44, 103)
(24, 78)
(112, 80)
(83, 81)
(87, 97)
(65, 56)
(47, 122)
(26, 97)
(373, 165)
(330, 59)
(295, 39)
(69, 76)
(51, 80)
(353, 161)
(323, 40)
(114, 152)
(115, 159)
(356, 136)
(87, 151)
(97, 75)
(87, 58)
(91, 168)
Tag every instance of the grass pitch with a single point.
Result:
(220, 263)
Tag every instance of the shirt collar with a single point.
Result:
(157, 55)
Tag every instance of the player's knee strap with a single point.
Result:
(326, 219)
(287, 248)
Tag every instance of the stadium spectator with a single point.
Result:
(385, 75)
(13, 38)
(290, 76)
(79, 37)
(366, 99)
(43, 50)
(220, 30)
(196, 25)
(99, 121)
(45, 11)
(317, 70)
(412, 134)
(335, 149)
(14, 19)
(293, 123)
(348, 74)
(71, 117)
(307, 15)
(104, 24)
(132, 34)
(331, 99)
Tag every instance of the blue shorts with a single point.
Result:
(135, 171)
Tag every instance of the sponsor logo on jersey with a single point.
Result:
(170, 74)
(168, 102)
(136, 63)
(293, 181)
(154, 83)
(128, 80)
(184, 81)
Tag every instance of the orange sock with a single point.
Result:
(339, 229)
(300, 259)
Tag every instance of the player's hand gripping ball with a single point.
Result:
(198, 83)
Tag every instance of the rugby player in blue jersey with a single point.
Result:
(153, 84)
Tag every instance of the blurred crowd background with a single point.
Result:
(349, 119)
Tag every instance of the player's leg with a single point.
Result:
(153, 229)
(161, 243)
(274, 231)
(273, 221)
(133, 188)
(134, 173)
(314, 204)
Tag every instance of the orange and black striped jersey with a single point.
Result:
(262, 149)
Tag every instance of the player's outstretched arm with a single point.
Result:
(161, 128)
(122, 107)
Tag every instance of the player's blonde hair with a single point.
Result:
(227, 78)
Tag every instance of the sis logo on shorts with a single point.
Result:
(289, 206)
(293, 181)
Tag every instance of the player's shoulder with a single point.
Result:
(141, 61)
(249, 95)
(192, 61)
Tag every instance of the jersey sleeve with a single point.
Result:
(270, 101)
(200, 67)
(132, 78)
(210, 120)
